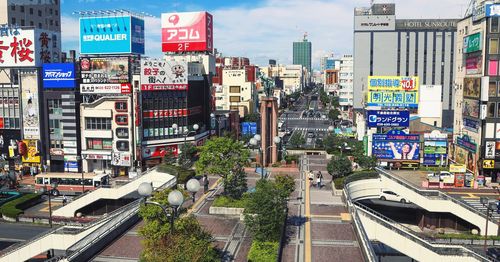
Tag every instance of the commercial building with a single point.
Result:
(329, 62)
(41, 14)
(387, 46)
(302, 53)
(291, 76)
(236, 90)
(346, 92)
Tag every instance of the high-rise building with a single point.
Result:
(41, 14)
(346, 83)
(302, 53)
(386, 46)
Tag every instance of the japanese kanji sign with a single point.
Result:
(388, 118)
(393, 99)
(157, 75)
(393, 83)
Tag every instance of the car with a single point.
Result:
(304, 114)
(310, 134)
(443, 175)
(311, 114)
(387, 195)
(318, 115)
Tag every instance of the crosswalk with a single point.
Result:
(303, 118)
(477, 205)
(310, 129)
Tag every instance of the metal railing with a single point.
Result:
(435, 194)
(444, 250)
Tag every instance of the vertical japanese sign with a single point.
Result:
(489, 151)
(157, 75)
(191, 31)
(31, 114)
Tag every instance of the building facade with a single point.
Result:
(387, 46)
(346, 76)
(302, 53)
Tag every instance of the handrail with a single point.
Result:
(435, 194)
(444, 250)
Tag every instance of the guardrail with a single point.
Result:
(434, 194)
(407, 233)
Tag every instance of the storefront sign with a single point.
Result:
(489, 151)
(457, 168)
(105, 88)
(159, 151)
(105, 70)
(465, 143)
(96, 156)
(59, 75)
(121, 159)
(472, 43)
(56, 152)
(163, 75)
(488, 164)
(471, 125)
(492, 10)
(388, 118)
(393, 83)
(393, 99)
(474, 65)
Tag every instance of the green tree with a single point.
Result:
(339, 167)
(335, 102)
(367, 162)
(253, 117)
(188, 236)
(188, 152)
(297, 140)
(265, 209)
(225, 157)
(333, 114)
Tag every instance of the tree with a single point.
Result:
(367, 162)
(253, 117)
(297, 140)
(225, 157)
(335, 102)
(339, 167)
(188, 151)
(265, 209)
(333, 114)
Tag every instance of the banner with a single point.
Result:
(472, 87)
(470, 108)
(393, 99)
(104, 70)
(474, 65)
(393, 83)
(396, 145)
(30, 103)
(457, 168)
(388, 118)
(472, 43)
(157, 75)
(59, 75)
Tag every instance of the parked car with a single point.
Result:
(391, 196)
(443, 175)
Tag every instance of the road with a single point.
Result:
(11, 233)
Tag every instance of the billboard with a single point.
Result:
(117, 89)
(472, 87)
(159, 151)
(248, 128)
(157, 75)
(185, 32)
(489, 150)
(32, 154)
(388, 118)
(27, 47)
(471, 125)
(396, 145)
(58, 75)
(435, 148)
(393, 83)
(111, 35)
(103, 70)
(430, 104)
(393, 99)
(492, 10)
(465, 157)
(470, 108)
(30, 107)
(474, 65)
(121, 159)
(472, 43)
(465, 143)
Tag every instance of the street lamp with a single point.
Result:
(489, 206)
(193, 185)
(212, 115)
(53, 186)
(255, 141)
(175, 200)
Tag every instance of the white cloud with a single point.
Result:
(70, 30)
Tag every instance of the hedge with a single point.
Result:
(360, 175)
(182, 174)
(225, 201)
(13, 208)
(263, 251)
(339, 182)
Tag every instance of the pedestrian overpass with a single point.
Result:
(156, 178)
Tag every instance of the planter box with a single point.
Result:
(226, 211)
(10, 219)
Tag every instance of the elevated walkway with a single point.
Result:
(158, 179)
(430, 200)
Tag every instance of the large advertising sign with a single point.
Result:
(471, 125)
(121, 159)
(465, 143)
(470, 108)
(104, 70)
(388, 118)
(116, 89)
(465, 157)
(393, 99)
(59, 75)
(27, 47)
(159, 151)
(489, 151)
(248, 128)
(191, 31)
(393, 83)
(396, 145)
(472, 43)
(492, 10)
(163, 75)
(111, 35)
(435, 148)
(474, 65)
(32, 154)
(472, 87)
(30, 103)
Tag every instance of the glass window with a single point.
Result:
(234, 99)
(234, 89)
(98, 123)
(491, 109)
(492, 90)
(493, 45)
(493, 67)
(121, 119)
(493, 24)
(122, 145)
(122, 132)
(121, 106)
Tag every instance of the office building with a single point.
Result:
(346, 76)
(387, 46)
(302, 53)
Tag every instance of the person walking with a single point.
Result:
(310, 176)
(318, 180)
(205, 183)
(65, 200)
(32, 171)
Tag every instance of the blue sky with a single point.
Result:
(261, 29)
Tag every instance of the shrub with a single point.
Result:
(263, 251)
(360, 175)
(182, 174)
(290, 158)
(13, 208)
(225, 201)
(339, 182)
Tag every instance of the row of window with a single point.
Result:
(106, 144)
(491, 109)
(97, 123)
(32, 23)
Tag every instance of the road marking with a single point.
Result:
(325, 216)
(471, 193)
(307, 237)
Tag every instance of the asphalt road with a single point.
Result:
(20, 232)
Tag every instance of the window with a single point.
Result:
(13, 7)
(493, 45)
(122, 132)
(55, 106)
(13, 20)
(23, 23)
(492, 90)
(39, 12)
(40, 25)
(491, 109)
(122, 145)
(97, 123)
(31, 11)
(121, 119)
(494, 25)
(51, 22)
(121, 106)
(54, 123)
(234, 99)
(493, 67)
(234, 89)
(32, 23)
(22, 9)
(99, 144)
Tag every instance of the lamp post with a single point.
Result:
(212, 115)
(80, 159)
(53, 186)
(255, 141)
(490, 206)
(193, 185)
(175, 200)
(186, 134)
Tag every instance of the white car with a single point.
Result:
(391, 196)
(442, 175)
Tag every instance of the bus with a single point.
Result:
(70, 184)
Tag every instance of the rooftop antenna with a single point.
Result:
(305, 36)
(371, 2)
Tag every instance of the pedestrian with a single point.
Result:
(65, 200)
(310, 176)
(318, 180)
(32, 171)
(205, 183)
